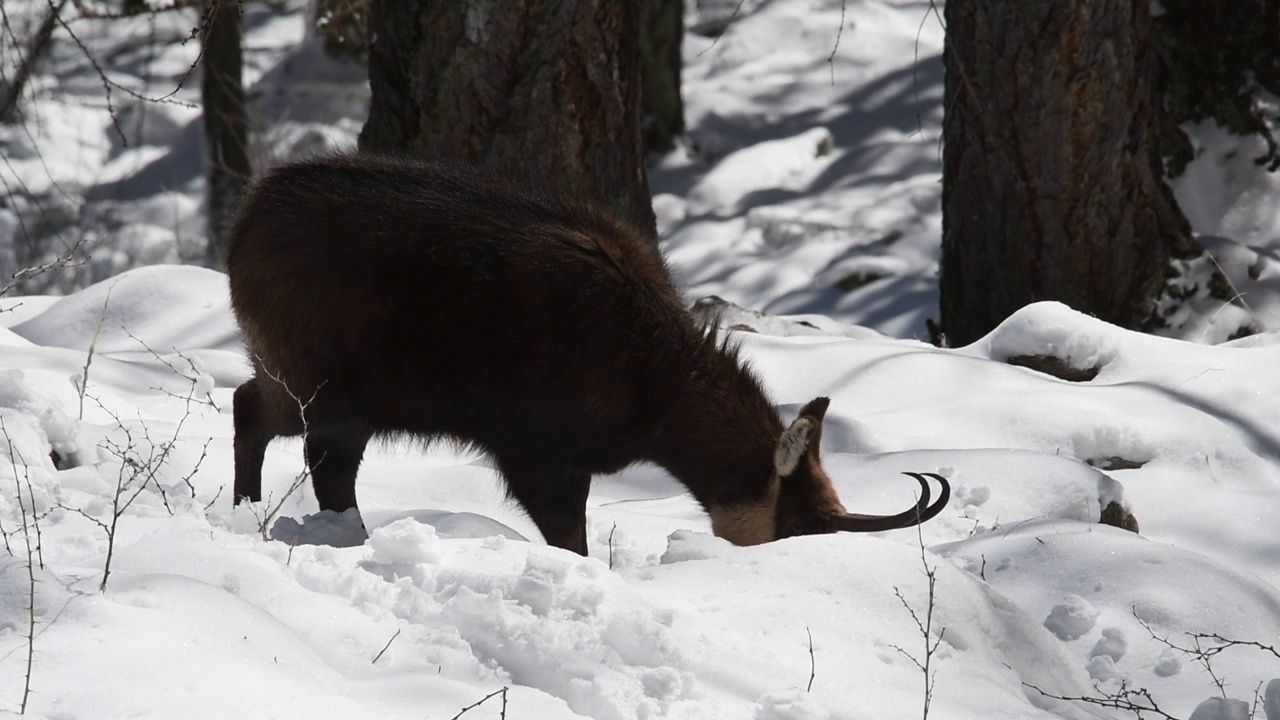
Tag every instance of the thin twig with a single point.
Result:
(612, 530)
(134, 475)
(725, 29)
(31, 572)
(13, 90)
(1227, 643)
(1237, 296)
(1123, 698)
(186, 479)
(1139, 701)
(35, 516)
(193, 378)
(481, 701)
(831, 59)
(813, 671)
(215, 496)
(309, 464)
(8, 549)
(108, 84)
(83, 384)
(66, 259)
(1202, 654)
(384, 648)
(925, 627)
(80, 511)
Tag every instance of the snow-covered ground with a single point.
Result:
(806, 176)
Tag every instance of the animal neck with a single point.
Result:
(719, 439)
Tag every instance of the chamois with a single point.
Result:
(399, 297)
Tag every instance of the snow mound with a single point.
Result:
(1149, 600)
(166, 308)
(1055, 330)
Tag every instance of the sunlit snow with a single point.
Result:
(441, 592)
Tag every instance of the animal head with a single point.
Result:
(801, 499)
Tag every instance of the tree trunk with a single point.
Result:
(547, 90)
(226, 128)
(662, 109)
(1052, 180)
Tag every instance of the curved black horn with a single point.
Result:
(855, 522)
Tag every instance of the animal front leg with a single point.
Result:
(556, 501)
(333, 457)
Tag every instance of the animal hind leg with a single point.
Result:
(257, 421)
(556, 501)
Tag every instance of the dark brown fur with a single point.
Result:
(405, 297)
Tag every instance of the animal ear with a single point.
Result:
(816, 409)
(802, 437)
(792, 445)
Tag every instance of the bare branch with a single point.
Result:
(141, 459)
(186, 479)
(215, 495)
(193, 378)
(27, 519)
(103, 526)
(931, 644)
(35, 517)
(831, 59)
(9, 100)
(1202, 653)
(107, 83)
(1228, 643)
(83, 383)
(734, 16)
(67, 259)
(1140, 701)
(1124, 698)
(612, 530)
(481, 701)
(308, 465)
(813, 668)
(384, 648)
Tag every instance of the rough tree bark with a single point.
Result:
(1052, 179)
(548, 90)
(226, 128)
